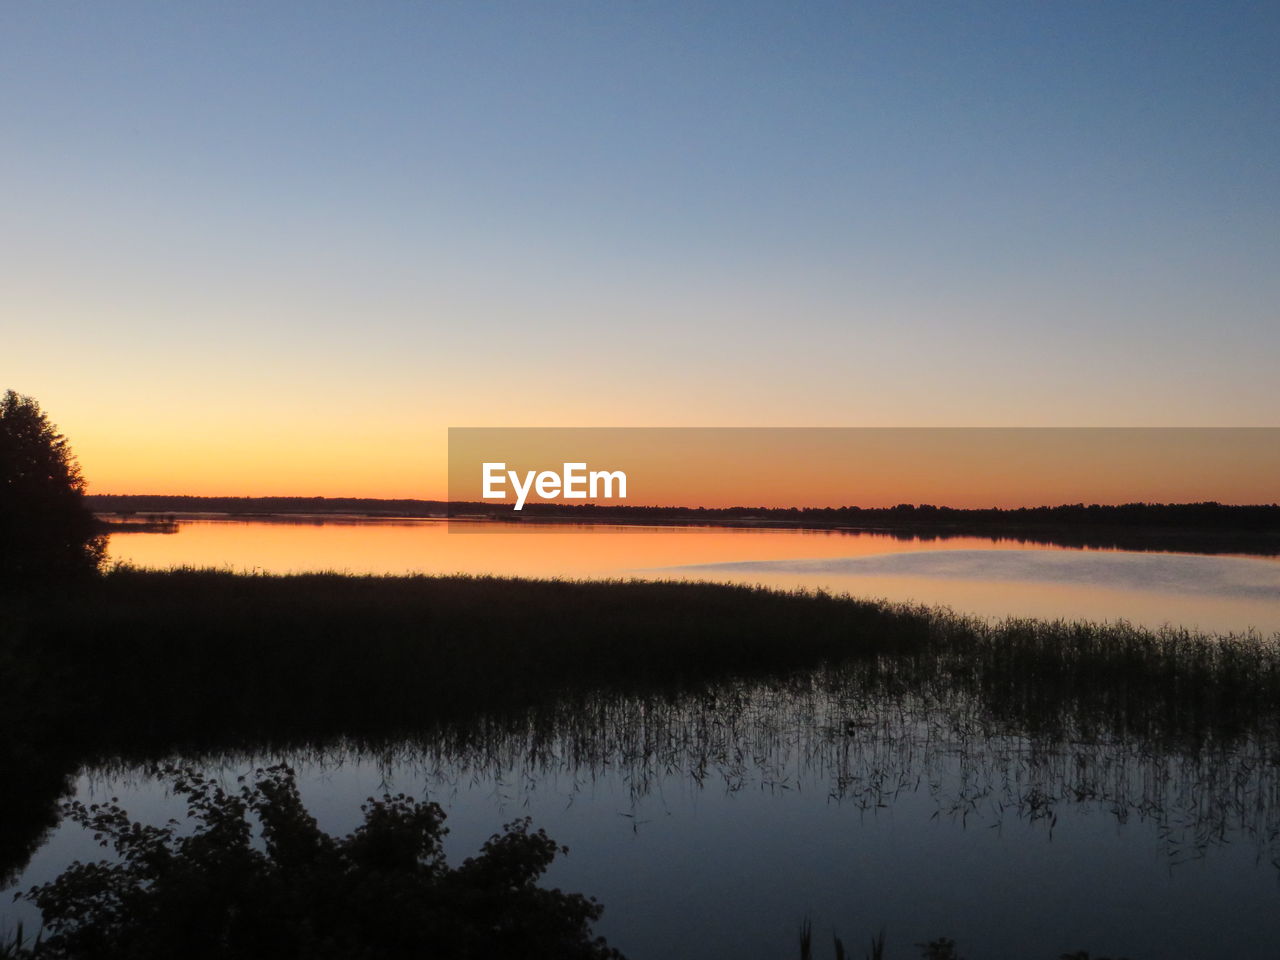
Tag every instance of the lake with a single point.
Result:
(977, 575)
(712, 823)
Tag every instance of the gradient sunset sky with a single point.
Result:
(280, 248)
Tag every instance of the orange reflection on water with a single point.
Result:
(607, 551)
(427, 546)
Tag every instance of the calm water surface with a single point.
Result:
(971, 574)
(710, 825)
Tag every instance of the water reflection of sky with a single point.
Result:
(912, 817)
(1219, 594)
(713, 833)
(1224, 576)
(971, 574)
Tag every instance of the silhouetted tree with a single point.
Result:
(45, 527)
(384, 891)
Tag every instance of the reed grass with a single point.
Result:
(140, 662)
(141, 665)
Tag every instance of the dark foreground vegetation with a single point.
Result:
(943, 948)
(193, 658)
(385, 890)
(136, 667)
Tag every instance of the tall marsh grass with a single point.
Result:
(140, 665)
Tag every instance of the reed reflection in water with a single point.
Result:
(863, 795)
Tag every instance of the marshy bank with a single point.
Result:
(642, 701)
(177, 657)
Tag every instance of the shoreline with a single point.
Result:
(1159, 538)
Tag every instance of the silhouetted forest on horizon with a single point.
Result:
(1209, 515)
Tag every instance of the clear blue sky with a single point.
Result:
(225, 220)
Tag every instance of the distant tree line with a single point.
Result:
(148, 504)
(1208, 515)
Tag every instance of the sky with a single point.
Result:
(868, 467)
(280, 248)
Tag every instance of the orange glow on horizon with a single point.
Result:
(975, 468)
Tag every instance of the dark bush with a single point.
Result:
(383, 891)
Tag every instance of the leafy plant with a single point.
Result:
(224, 890)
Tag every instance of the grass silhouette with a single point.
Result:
(137, 666)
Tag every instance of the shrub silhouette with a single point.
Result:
(383, 891)
(45, 527)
